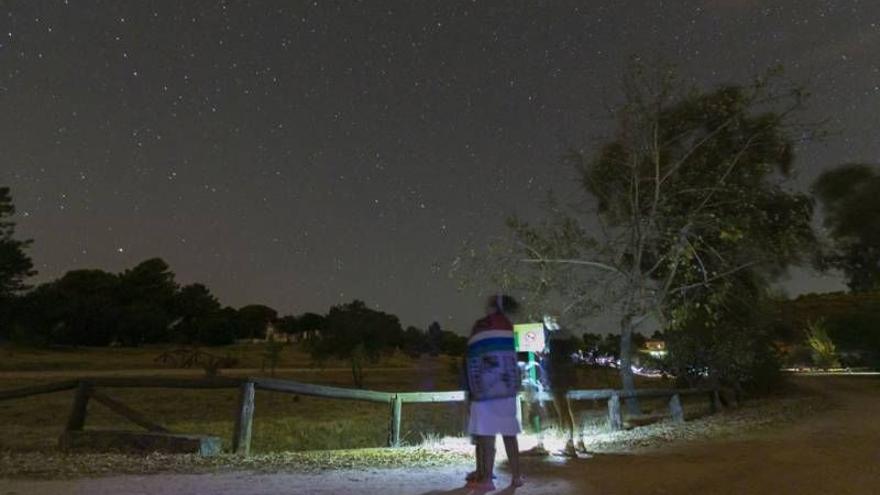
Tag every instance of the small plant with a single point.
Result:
(824, 351)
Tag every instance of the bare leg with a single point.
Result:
(511, 447)
(566, 420)
(478, 457)
(488, 457)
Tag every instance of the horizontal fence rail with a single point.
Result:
(247, 386)
(327, 391)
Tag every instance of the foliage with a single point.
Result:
(852, 320)
(414, 342)
(850, 195)
(139, 306)
(357, 334)
(195, 307)
(452, 344)
(15, 265)
(687, 193)
(823, 349)
(253, 321)
(725, 338)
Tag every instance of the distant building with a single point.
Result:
(655, 347)
(273, 333)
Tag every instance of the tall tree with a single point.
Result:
(195, 310)
(146, 302)
(81, 308)
(687, 193)
(850, 196)
(357, 334)
(254, 319)
(15, 265)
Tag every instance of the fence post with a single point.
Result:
(77, 418)
(615, 419)
(675, 409)
(244, 420)
(394, 434)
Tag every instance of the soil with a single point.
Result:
(834, 450)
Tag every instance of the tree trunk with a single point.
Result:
(626, 374)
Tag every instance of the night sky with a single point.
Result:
(302, 154)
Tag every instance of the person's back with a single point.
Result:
(562, 377)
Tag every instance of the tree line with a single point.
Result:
(145, 305)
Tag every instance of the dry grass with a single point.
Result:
(282, 422)
(16, 358)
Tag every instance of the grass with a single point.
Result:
(282, 422)
(250, 356)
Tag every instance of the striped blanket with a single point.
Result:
(492, 370)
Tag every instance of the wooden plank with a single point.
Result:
(139, 442)
(128, 413)
(675, 409)
(244, 420)
(290, 386)
(598, 394)
(47, 388)
(161, 382)
(77, 418)
(601, 394)
(450, 396)
(615, 416)
(394, 436)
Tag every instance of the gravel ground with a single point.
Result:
(448, 452)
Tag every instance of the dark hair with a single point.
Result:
(503, 303)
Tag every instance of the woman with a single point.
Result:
(493, 383)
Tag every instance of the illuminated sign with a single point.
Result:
(529, 337)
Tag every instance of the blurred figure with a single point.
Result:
(561, 377)
(493, 382)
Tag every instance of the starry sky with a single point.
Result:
(303, 154)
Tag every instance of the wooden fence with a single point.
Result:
(87, 389)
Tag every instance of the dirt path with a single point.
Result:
(836, 452)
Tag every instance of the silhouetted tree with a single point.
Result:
(196, 309)
(253, 321)
(15, 265)
(414, 341)
(357, 334)
(82, 308)
(146, 303)
(850, 195)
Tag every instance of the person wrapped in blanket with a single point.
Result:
(493, 382)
